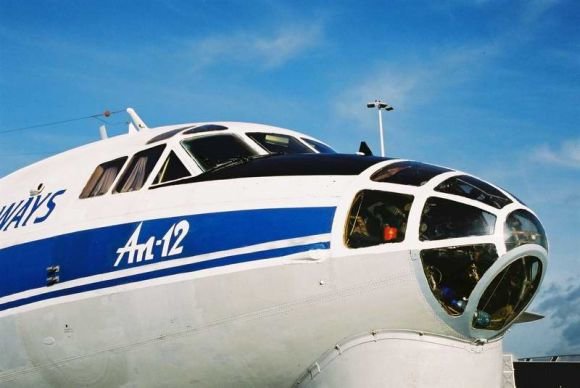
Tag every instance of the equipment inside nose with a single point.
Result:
(453, 272)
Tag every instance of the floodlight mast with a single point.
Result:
(380, 106)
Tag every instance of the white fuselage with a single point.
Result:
(234, 282)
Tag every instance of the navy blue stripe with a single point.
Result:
(94, 252)
(269, 254)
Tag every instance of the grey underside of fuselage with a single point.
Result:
(261, 327)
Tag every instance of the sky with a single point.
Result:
(490, 87)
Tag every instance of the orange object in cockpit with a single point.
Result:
(390, 233)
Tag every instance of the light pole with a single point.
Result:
(380, 106)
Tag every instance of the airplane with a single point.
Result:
(229, 254)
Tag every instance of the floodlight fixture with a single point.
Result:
(380, 106)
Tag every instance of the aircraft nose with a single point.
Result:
(478, 252)
(480, 291)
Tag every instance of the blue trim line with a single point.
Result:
(214, 263)
(95, 251)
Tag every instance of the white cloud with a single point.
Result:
(418, 82)
(567, 154)
(265, 50)
(398, 87)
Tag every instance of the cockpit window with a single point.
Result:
(522, 227)
(453, 272)
(171, 170)
(210, 151)
(508, 294)
(408, 173)
(278, 143)
(377, 217)
(138, 170)
(205, 128)
(102, 178)
(472, 188)
(166, 135)
(444, 219)
(318, 146)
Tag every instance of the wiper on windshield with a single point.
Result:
(239, 160)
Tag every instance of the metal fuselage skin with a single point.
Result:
(228, 282)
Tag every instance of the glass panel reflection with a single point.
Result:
(522, 227)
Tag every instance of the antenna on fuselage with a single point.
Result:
(380, 106)
(103, 132)
(137, 123)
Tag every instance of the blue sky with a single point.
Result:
(491, 87)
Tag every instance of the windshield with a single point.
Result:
(281, 144)
(211, 151)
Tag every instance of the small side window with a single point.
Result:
(138, 170)
(171, 170)
(102, 178)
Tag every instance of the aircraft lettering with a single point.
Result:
(6, 215)
(17, 214)
(51, 205)
(170, 244)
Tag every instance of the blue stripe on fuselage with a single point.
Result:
(268, 254)
(94, 252)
